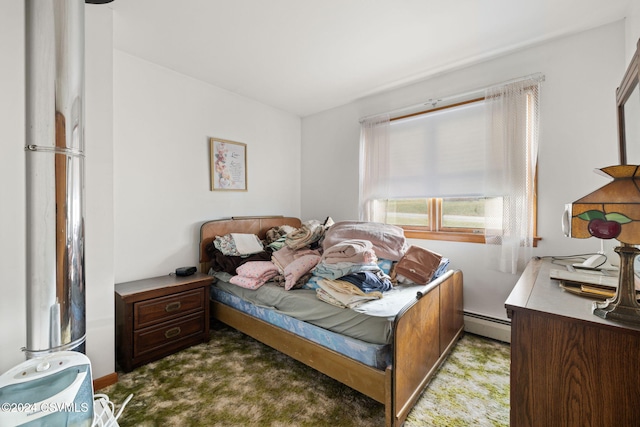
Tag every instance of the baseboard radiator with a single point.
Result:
(486, 326)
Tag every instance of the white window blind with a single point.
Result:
(438, 154)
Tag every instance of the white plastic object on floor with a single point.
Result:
(104, 411)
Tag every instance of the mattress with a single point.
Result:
(359, 336)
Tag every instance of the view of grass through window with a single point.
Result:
(463, 213)
(413, 212)
(456, 212)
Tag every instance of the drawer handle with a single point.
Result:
(170, 333)
(172, 306)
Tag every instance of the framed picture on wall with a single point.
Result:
(228, 165)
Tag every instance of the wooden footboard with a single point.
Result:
(424, 334)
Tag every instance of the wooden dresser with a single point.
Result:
(159, 316)
(569, 367)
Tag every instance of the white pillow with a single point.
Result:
(247, 244)
(238, 244)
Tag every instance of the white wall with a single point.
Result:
(99, 262)
(98, 188)
(163, 121)
(578, 134)
(632, 29)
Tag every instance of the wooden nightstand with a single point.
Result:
(159, 316)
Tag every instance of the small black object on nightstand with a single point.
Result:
(185, 271)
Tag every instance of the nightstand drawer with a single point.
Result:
(148, 313)
(166, 334)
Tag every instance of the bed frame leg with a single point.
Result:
(389, 410)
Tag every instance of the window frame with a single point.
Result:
(470, 235)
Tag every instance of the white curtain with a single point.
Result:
(512, 153)
(374, 168)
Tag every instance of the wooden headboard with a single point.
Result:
(258, 225)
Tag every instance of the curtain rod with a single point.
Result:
(471, 93)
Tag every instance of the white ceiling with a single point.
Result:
(306, 56)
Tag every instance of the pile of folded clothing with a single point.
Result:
(350, 274)
(254, 274)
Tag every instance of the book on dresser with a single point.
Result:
(596, 284)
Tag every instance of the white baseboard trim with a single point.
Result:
(497, 329)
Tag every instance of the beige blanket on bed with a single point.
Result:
(388, 240)
(353, 250)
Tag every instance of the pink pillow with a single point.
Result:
(253, 274)
(256, 268)
(248, 282)
(299, 268)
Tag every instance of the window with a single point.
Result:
(433, 179)
(447, 218)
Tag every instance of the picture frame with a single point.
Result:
(228, 165)
(628, 111)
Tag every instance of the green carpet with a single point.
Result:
(236, 381)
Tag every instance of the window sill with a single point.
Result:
(451, 236)
(442, 235)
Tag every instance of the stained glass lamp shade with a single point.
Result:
(613, 212)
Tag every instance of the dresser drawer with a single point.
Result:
(153, 311)
(163, 336)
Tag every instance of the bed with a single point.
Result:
(421, 335)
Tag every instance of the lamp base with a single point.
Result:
(624, 305)
(610, 311)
